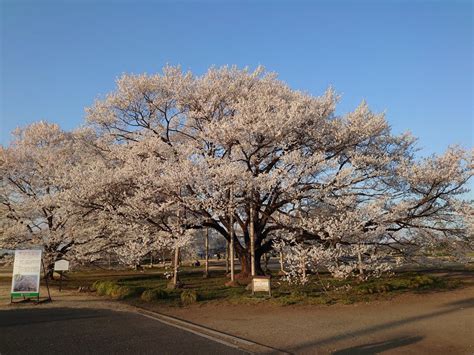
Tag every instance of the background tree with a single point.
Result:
(31, 169)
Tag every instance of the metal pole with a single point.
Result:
(252, 242)
(60, 280)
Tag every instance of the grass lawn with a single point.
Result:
(150, 287)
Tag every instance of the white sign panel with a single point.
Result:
(261, 284)
(61, 265)
(26, 273)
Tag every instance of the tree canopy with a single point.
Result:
(165, 155)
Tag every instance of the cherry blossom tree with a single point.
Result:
(165, 155)
(344, 183)
(31, 169)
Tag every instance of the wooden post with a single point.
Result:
(227, 257)
(176, 251)
(206, 272)
(303, 267)
(231, 233)
(175, 267)
(252, 241)
(359, 259)
(282, 268)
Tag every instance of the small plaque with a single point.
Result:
(61, 265)
(261, 284)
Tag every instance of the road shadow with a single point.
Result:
(378, 347)
(447, 308)
(465, 303)
(27, 316)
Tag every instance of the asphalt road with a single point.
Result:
(96, 331)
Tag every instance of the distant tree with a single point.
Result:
(31, 169)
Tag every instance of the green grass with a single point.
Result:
(151, 287)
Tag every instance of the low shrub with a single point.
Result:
(154, 294)
(114, 290)
(189, 297)
(104, 287)
(122, 292)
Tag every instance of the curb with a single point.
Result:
(214, 335)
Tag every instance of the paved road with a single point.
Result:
(96, 331)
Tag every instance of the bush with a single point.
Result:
(121, 292)
(114, 290)
(298, 294)
(189, 297)
(104, 287)
(406, 283)
(154, 294)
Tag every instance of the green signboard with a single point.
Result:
(26, 273)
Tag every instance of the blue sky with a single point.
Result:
(412, 59)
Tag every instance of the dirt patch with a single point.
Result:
(437, 323)
(63, 299)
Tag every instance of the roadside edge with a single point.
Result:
(217, 336)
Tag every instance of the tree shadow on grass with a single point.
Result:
(378, 347)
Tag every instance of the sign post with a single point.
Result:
(261, 284)
(61, 266)
(26, 274)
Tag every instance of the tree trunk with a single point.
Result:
(49, 271)
(246, 269)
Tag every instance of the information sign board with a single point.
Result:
(61, 265)
(26, 273)
(261, 284)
